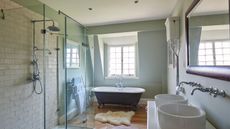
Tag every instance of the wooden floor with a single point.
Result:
(87, 120)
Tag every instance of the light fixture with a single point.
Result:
(136, 1)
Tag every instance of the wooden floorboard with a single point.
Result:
(139, 120)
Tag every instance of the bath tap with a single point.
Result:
(120, 84)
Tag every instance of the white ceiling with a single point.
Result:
(113, 11)
(214, 7)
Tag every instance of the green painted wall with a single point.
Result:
(152, 56)
(153, 25)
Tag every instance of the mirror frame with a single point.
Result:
(217, 72)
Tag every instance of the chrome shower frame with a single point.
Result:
(42, 21)
(36, 72)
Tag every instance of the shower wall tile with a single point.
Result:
(20, 108)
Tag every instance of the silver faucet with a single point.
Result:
(179, 88)
(200, 89)
(120, 83)
(212, 91)
(215, 92)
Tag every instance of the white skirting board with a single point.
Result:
(151, 117)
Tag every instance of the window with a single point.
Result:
(72, 57)
(122, 60)
(214, 52)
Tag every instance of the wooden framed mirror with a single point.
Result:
(208, 38)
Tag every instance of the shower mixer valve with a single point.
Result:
(37, 49)
(36, 77)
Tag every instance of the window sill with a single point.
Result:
(115, 78)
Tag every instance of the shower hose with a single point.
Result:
(36, 77)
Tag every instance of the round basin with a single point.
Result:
(169, 98)
(181, 116)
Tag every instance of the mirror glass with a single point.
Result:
(72, 54)
(209, 43)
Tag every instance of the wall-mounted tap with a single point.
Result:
(191, 84)
(192, 93)
(179, 88)
(215, 92)
(222, 93)
(200, 89)
(212, 91)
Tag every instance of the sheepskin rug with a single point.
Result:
(119, 127)
(124, 127)
(115, 118)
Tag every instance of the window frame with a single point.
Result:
(107, 64)
(213, 42)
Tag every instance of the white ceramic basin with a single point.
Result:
(169, 98)
(181, 116)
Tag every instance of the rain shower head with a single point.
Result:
(53, 28)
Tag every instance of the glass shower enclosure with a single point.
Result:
(74, 72)
(78, 66)
(59, 64)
